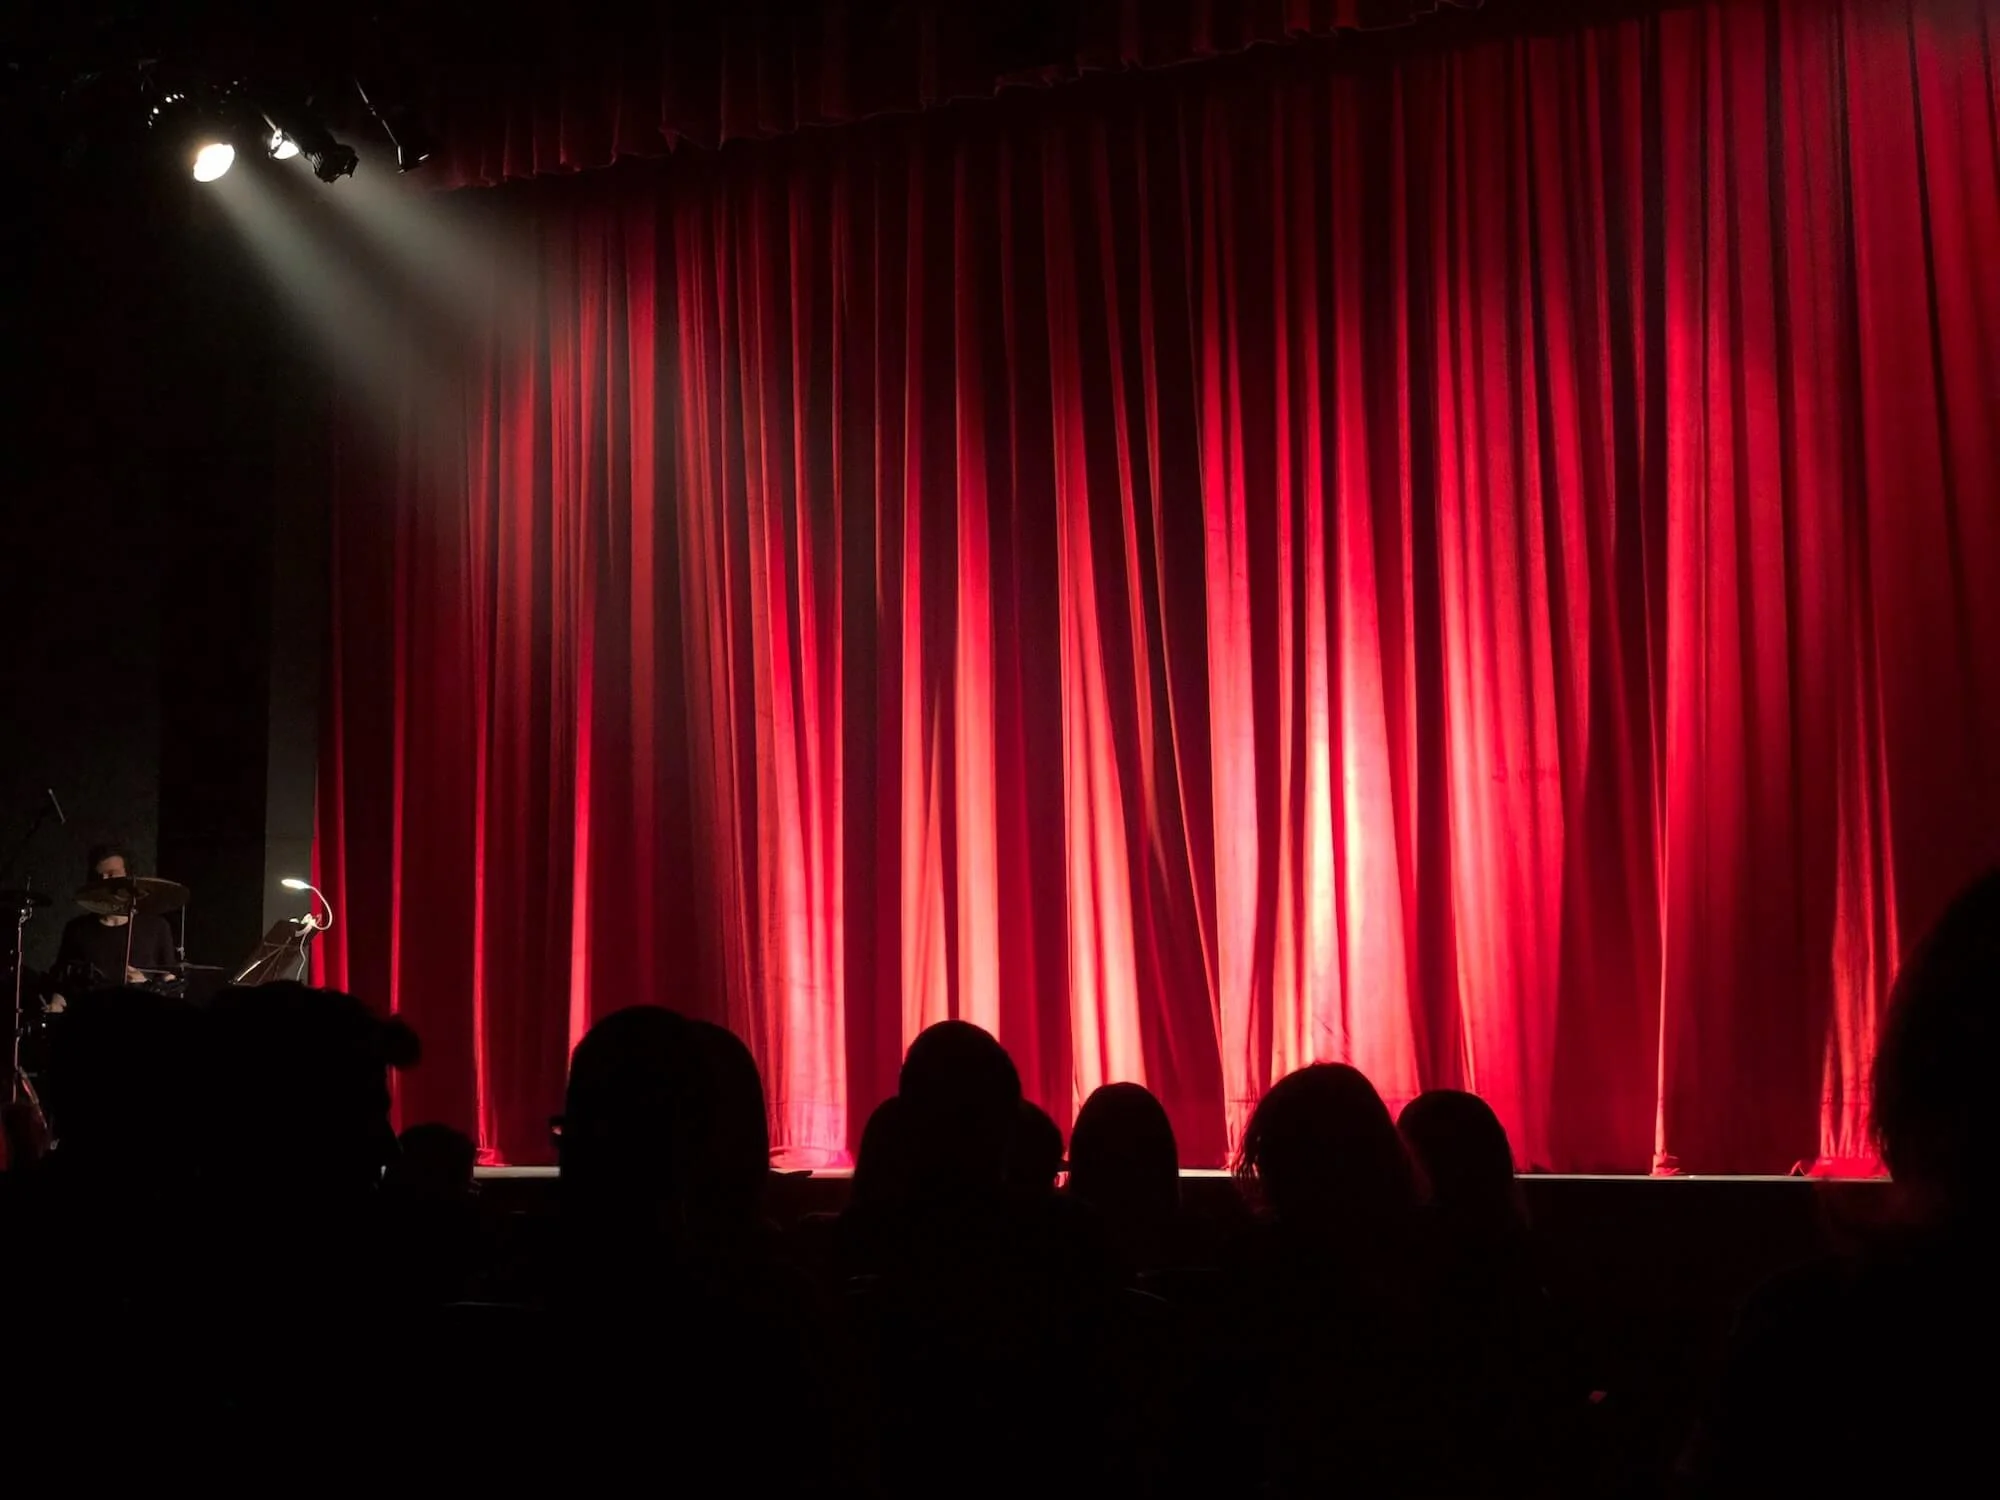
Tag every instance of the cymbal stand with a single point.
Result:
(131, 917)
(18, 1086)
(17, 1081)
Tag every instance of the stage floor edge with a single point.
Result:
(1198, 1173)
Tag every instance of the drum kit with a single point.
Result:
(282, 954)
(39, 996)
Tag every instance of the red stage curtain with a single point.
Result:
(553, 92)
(1488, 569)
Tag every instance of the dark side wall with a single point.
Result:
(161, 559)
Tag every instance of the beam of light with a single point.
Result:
(383, 349)
(212, 160)
(466, 258)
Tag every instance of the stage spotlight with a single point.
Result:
(195, 129)
(333, 163)
(329, 159)
(212, 160)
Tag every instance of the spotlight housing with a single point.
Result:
(329, 159)
(335, 162)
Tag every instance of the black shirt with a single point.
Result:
(95, 953)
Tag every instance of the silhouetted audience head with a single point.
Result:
(1321, 1152)
(616, 1144)
(961, 1097)
(433, 1161)
(1937, 1129)
(1462, 1148)
(664, 1119)
(1897, 1330)
(1036, 1160)
(123, 1078)
(300, 1081)
(728, 1132)
(1122, 1157)
(882, 1163)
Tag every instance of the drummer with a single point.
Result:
(94, 954)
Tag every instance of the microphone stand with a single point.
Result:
(14, 858)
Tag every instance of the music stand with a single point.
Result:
(283, 954)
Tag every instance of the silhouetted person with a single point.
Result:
(619, 1149)
(432, 1161)
(1874, 1374)
(665, 1146)
(729, 1160)
(124, 1097)
(868, 1230)
(102, 952)
(1467, 1161)
(123, 1087)
(1932, 1107)
(295, 1283)
(959, 1121)
(1342, 1383)
(300, 1097)
(883, 1166)
(1322, 1157)
(1036, 1161)
(990, 1294)
(430, 1215)
(664, 1153)
(961, 1096)
(101, 1241)
(1515, 1403)
(1124, 1170)
(1124, 1163)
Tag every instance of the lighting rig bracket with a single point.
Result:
(208, 123)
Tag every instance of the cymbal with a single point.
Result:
(19, 899)
(146, 895)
